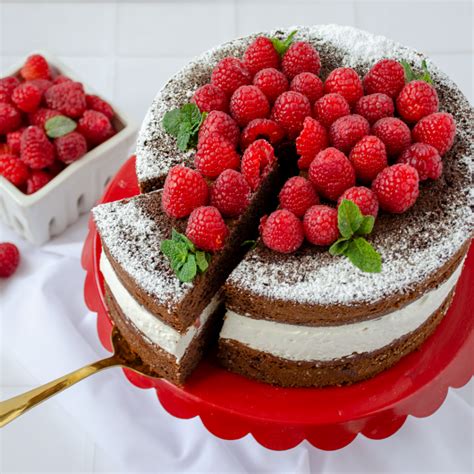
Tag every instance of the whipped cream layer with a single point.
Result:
(325, 343)
(155, 330)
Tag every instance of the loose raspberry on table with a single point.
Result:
(365, 199)
(320, 225)
(330, 107)
(230, 193)
(35, 67)
(298, 195)
(37, 180)
(346, 131)
(309, 85)
(290, 110)
(36, 150)
(248, 103)
(331, 173)
(41, 116)
(94, 102)
(70, 147)
(68, 98)
(9, 259)
(312, 139)
(7, 86)
(26, 97)
(261, 128)
(368, 157)
(214, 155)
(374, 107)
(13, 169)
(300, 57)
(425, 159)
(14, 141)
(396, 188)
(229, 74)
(95, 127)
(10, 118)
(282, 231)
(271, 82)
(394, 133)
(344, 81)
(438, 130)
(261, 54)
(257, 161)
(206, 229)
(417, 100)
(210, 97)
(386, 76)
(221, 123)
(184, 190)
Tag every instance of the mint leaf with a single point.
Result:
(426, 74)
(59, 126)
(251, 243)
(339, 247)
(177, 237)
(366, 226)
(191, 113)
(363, 255)
(188, 271)
(349, 218)
(410, 75)
(201, 261)
(184, 135)
(172, 121)
(184, 124)
(281, 46)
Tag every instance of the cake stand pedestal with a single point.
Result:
(231, 406)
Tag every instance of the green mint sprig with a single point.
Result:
(184, 124)
(59, 126)
(281, 46)
(410, 75)
(352, 226)
(185, 259)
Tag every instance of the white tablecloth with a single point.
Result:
(45, 326)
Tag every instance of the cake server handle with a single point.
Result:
(16, 406)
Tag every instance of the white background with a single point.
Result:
(126, 50)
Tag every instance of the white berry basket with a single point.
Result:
(74, 191)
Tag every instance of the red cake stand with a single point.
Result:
(230, 406)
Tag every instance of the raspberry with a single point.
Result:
(374, 107)
(7, 86)
(298, 195)
(214, 155)
(312, 139)
(257, 161)
(425, 159)
(309, 85)
(14, 141)
(26, 97)
(5, 149)
(396, 188)
(70, 147)
(184, 190)
(248, 103)
(271, 82)
(41, 116)
(95, 127)
(206, 229)
(261, 128)
(94, 102)
(229, 74)
(61, 78)
(42, 84)
(344, 81)
(290, 110)
(330, 107)
(417, 100)
(282, 231)
(221, 123)
(35, 67)
(331, 173)
(67, 98)
(37, 180)
(10, 118)
(36, 150)
(13, 169)
(438, 130)
(365, 199)
(320, 225)
(210, 97)
(261, 54)
(230, 193)
(300, 57)
(346, 131)
(394, 133)
(369, 158)
(9, 259)
(386, 76)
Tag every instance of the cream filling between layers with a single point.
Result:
(155, 330)
(325, 343)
